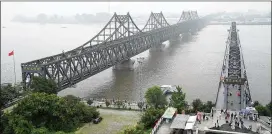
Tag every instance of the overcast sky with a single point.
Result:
(9, 9)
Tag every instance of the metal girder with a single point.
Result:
(236, 67)
(155, 21)
(188, 15)
(118, 41)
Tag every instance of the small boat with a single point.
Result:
(3, 27)
(168, 89)
(63, 27)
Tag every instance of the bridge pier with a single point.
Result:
(175, 39)
(125, 65)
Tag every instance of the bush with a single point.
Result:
(90, 102)
(41, 130)
(17, 124)
(150, 116)
(138, 129)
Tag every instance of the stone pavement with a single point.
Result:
(165, 128)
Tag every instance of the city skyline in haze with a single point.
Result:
(10, 9)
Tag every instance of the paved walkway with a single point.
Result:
(234, 102)
(165, 128)
(220, 104)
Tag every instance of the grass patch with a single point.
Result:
(113, 121)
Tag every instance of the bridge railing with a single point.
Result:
(222, 69)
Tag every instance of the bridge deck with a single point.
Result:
(233, 101)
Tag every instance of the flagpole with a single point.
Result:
(14, 68)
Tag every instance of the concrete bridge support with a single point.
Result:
(175, 40)
(125, 65)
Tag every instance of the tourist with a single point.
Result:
(242, 124)
(231, 115)
(204, 117)
(228, 115)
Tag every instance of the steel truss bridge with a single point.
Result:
(233, 76)
(117, 42)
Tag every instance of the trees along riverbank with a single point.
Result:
(43, 112)
(157, 105)
(263, 110)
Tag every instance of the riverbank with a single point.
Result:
(113, 122)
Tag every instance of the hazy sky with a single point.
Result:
(9, 9)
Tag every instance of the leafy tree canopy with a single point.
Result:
(8, 93)
(40, 112)
(155, 98)
(178, 100)
(262, 110)
(256, 103)
(197, 105)
(41, 84)
(150, 116)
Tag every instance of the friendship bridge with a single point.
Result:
(117, 42)
(233, 92)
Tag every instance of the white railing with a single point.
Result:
(156, 127)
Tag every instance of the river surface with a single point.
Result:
(195, 63)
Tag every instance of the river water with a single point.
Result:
(194, 63)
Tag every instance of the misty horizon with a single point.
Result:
(11, 9)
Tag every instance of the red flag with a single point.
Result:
(11, 53)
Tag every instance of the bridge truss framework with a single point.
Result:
(118, 41)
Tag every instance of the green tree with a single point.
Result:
(178, 100)
(269, 108)
(262, 110)
(8, 93)
(150, 116)
(155, 98)
(206, 107)
(41, 84)
(256, 103)
(53, 112)
(197, 105)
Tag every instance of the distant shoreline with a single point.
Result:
(213, 23)
(269, 23)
